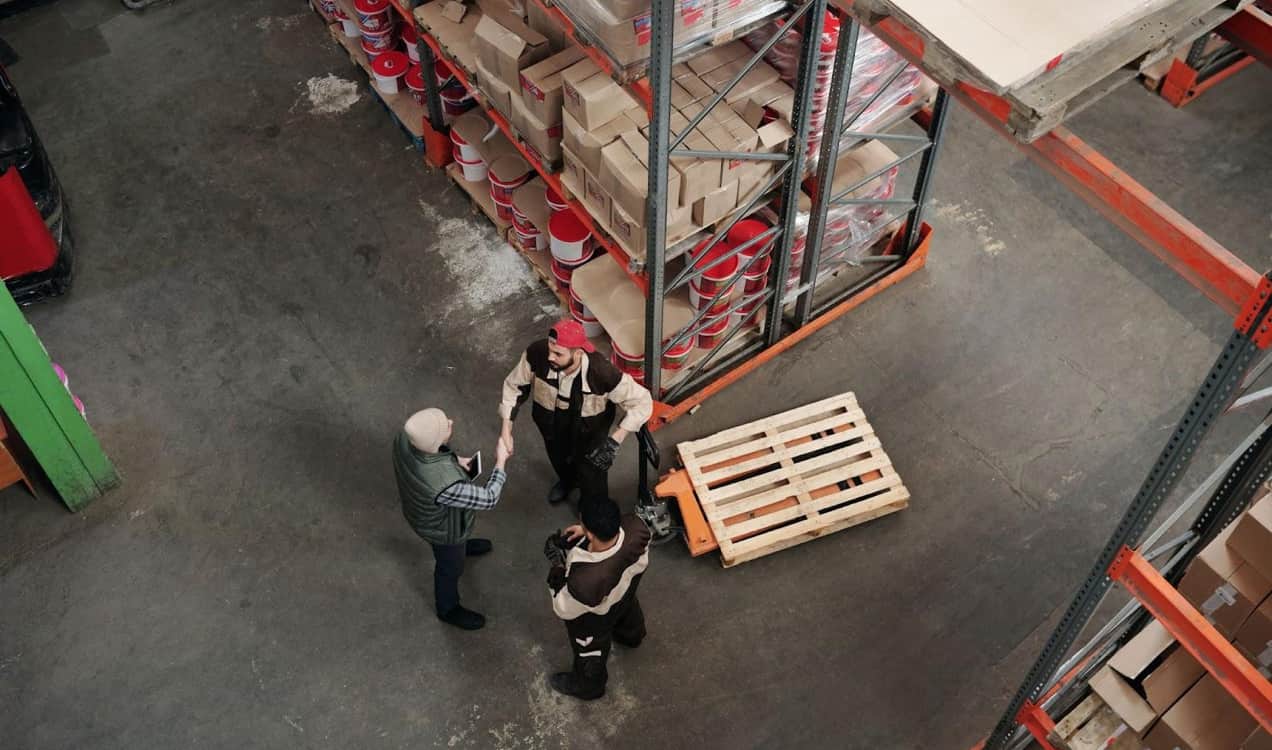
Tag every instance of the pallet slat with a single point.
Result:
(791, 477)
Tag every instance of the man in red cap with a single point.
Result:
(576, 392)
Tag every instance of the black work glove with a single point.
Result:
(602, 456)
(554, 551)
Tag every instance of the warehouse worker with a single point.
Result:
(576, 392)
(441, 503)
(597, 565)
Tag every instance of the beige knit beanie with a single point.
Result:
(427, 430)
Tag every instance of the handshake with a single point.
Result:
(560, 542)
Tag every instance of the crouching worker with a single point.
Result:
(441, 503)
(597, 565)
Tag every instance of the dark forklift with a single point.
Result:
(35, 274)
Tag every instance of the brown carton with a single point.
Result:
(624, 30)
(573, 174)
(531, 200)
(773, 139)
(1259, 739)
(1146, 676)
(587, 144)
(639, 145)
(500, 95)
(541, 84)
(505, 45)
(596, 198)
(633, 234)
(715, 205)
(717, 56)
(732, 136)
(591, 96)
(1206, 718)
(1252, 537)
(454, 12)
(1224, 587)
(539, 20)
(756, 79)
(1254, 638)
(542, 138)
(625, 178)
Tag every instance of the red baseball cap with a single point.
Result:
(569, 333)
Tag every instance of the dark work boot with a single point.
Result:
(567, 683)
(477, 547)
(559, 493)
(463, 618)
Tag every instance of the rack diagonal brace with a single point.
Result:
(1216, 392)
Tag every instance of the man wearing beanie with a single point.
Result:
(596, 568)
(441, 504)
(576, 392)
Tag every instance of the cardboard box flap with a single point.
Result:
(580, 71)
(473, 127)
(773, 135)
(1134, 658)
(546, 73)
(532, 201)
(1206, 718)
(1165, 684)
(494, 34)
(1218, 556)
(1123, 699)
(454, 11)
(1252, 536)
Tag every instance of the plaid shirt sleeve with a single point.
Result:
(468, 496)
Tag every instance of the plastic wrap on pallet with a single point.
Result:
(623, 29)
(872, 64)
(850, 230)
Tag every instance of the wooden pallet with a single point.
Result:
(1092, 725)
(791, 478)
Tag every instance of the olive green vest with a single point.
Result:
(421, 477)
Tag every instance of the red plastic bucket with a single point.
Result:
(502, 210)
(455, 102)
(464, 149)
(628, 363)
(529, 241)
(562, 275)
(515, 172)
(373, 15)
(571, 242)
(442, 72)
(637, 373)
(382, 40)
(555, 201)
(415, 84)
(713, 332)
(717, 276)
(699, 299)
(412, 41)
(389, 68)
(746, 230)
(371, 52)
(474, 171)
(676, 357)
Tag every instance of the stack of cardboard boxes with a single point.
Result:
(1159, 690)
(606, 147)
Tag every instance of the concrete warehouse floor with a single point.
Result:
(265, 292)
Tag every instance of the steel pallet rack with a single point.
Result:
(1247, 35)
(788, 318)
(1237, 289)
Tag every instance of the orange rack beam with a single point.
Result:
(1195, 634)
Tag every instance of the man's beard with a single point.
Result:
(558, 368)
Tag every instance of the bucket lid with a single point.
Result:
(391, 64)
(744, 231)
(565, 226)
(721, 271)
(415, 78)
(369, 7)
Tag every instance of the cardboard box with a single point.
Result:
(454, 12)
(1206, 718)
(624, 29)
(596, 198)
(500, 95)
(715, 205)
(633, 234)
(697, 89)
(541, 85)
(756, 79)
(1146, 676)
(856, 163)
(1258, 740)
(737, 137)
(587, 144)
(573, 174)
(1254, 638)
(773, 139)
(505, 45)
(1224, 587)
(592, 97)
(1252, 537)
(543, 139)
(538, 19)
(474, 128)
(721, 55)
(624, 177)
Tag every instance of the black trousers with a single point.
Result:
(574, 470)
(448, 566)
(592, 636)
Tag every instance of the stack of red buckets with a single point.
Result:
(570, 241)
(717, 282)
